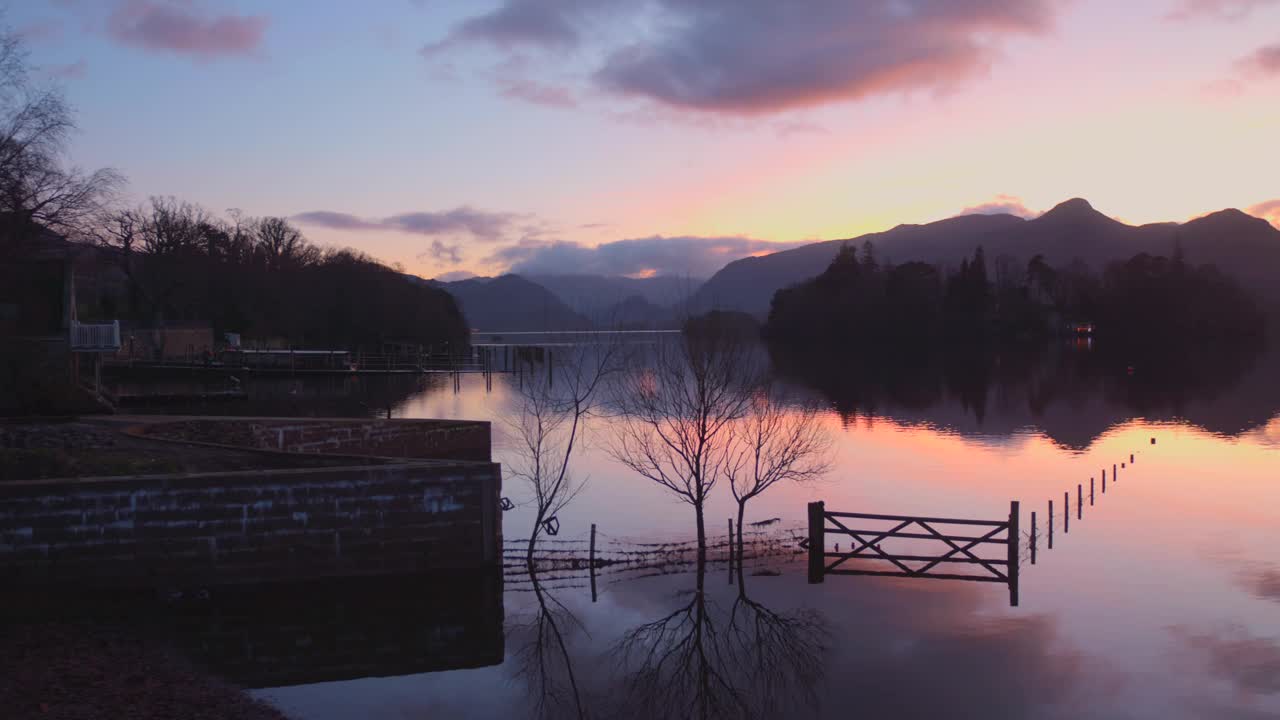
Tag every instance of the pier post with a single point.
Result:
(1050, 524)
(1079, 501)
(1066, 512)
(1090, 492)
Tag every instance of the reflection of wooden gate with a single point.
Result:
(939, 548)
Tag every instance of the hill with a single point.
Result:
(594, 295)
(511, 303)
(1243, 246)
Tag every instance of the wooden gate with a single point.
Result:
(940, 547)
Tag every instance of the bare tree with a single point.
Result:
(38, 189)
(677, 412)
(774, 442)
(554, 408)
(282, 245)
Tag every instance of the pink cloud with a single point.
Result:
(1269, 210)
(1264, 60)
(1221, 9)
(1001, 204)
(184, 28)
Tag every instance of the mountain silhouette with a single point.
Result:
(1241, 245)
(511, 303)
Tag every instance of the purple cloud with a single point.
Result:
(749, 57)
(518, 23)
(1269, 210)
(536, 93)
(1265, 60)
(1002, 204)
(455, 276)
(70, 71)
(1221, 9)
(183, 28)
(442, 253)
(683, 256)
(479, 224)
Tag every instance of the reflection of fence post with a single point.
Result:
(591, 559)
(1066, 512)
(1014, 538)
(1033, 537)
(816, 542)
(731, 542)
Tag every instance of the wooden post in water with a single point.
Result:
(1115, 476)
(1130, 458)
(1079, 501)
(1090, 492)
(1104, 482)
(1066, 512)
(1014, 539)
(1033, 537)
(817, 545)
(591, 560)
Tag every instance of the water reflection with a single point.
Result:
(1073, 395)
(542, 657)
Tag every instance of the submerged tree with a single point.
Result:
(676, 412)
(550, 426)
(774, 442)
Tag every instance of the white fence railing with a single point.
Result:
(95, 337)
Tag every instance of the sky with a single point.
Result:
(644, 137)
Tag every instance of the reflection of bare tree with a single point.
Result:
(701, 662)
(544, 659)
(782, 652)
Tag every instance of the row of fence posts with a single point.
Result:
(1066, 503)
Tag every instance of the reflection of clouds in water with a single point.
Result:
(1251, 663)
(1269, 434)
(1263, 582)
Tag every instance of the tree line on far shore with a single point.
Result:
(262, 277)
(1148, 301)
(169, 262)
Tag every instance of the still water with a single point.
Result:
(1162, 601)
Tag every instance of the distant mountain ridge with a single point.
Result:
(1243, 246)
(593, 295)
(510, 303)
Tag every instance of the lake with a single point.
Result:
(1162, 599)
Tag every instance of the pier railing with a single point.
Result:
(95, 338)
(934, 547)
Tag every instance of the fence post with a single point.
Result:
(1014, 539)
(591, 560)
(817, 544)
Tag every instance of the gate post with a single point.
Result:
(1014, 539)
(817, 543)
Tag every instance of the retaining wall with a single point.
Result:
(258, 524)
(425, 439)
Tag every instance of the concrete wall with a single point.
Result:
(250, 525)
(427, 439)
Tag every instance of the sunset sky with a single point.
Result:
(665, 136)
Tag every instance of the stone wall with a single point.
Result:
(425, 439)
(250, 525)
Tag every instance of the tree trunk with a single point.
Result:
(742, 510)
(702, 537)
